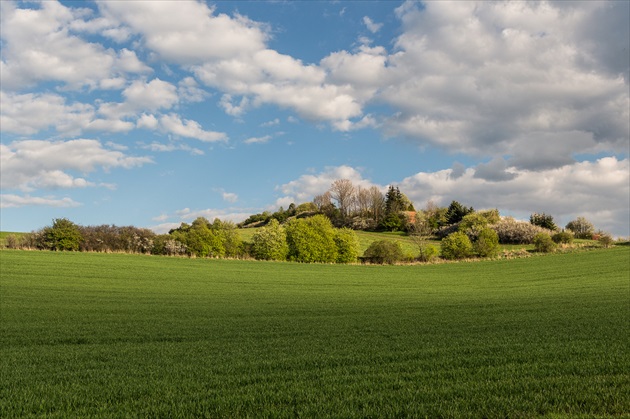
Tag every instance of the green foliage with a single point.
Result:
(229, 238)
(543, 220)
(205, 239)
(311, 240)
(487, 243)
(472, 224)
(456, 212)
(384, 252)
(270, 242)
(62, 235)
(427, 252)
(394, 221)
(543, 243)
(347, 245)
(306, 207)
(456, 246)
(581, 227)
(562, 237)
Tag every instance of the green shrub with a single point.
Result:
(428, 252)
(563, 237)
(62, 235)
(270, 242)
(473, 223)
(384, 252)
(347, 245)
(456, 246)
(487, 244)
(543, 243)
(311, 240)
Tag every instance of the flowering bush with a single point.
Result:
(511, 231)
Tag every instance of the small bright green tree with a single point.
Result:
(487, 243)
(311, 240)
(347, 245)
(456, 246)
(270, 242)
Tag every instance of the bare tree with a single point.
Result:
(376, 203)
(323, 202)
(342, 191)
(362, 201)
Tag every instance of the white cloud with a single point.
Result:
(38, 45)
(32, 112)
(271, 123)
(371, 25)
(230, 108)
(189, 90)
(16, 201)
(230, 197)
(172, 146)
(258, 140)
(147, 121)
(191, 129)
(489, 78)
(33, 164)
(180, 31)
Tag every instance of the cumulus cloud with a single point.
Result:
(142, 96)
(179, 31)
(494, 171)
(38, 46)
(490, 78)
(229, 197)
(30, 113)
(258, 140)
(173, 124)
(371, 25)
(17, 201)
(32, 164)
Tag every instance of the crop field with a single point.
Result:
(102, 335)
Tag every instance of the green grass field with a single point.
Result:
(105, 335)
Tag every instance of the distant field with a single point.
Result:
(118, 335)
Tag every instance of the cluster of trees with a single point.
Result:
(312, 239)
(323, 231)
(347, 205)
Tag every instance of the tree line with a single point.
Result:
(323, 230)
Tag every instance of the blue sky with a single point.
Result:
(152, 113)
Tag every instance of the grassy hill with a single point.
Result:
(85, 334)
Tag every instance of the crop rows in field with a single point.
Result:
(116, 335)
